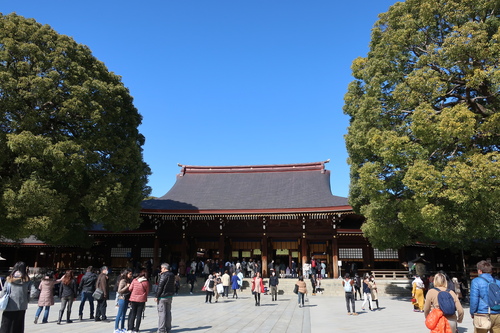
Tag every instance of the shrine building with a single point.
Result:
(265, 212)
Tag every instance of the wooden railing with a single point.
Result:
(396, 274)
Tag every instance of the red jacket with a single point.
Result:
(262, 290)
(139, 290)
(437, 322)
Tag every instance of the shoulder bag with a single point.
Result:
(4, 300)
(98, 294)
(296, 289)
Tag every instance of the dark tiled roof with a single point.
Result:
(249, 188)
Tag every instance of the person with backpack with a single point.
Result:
(209, 288)
(348, 285)
(485, 300)
(444, 299)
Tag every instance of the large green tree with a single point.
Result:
(424, 133)
(70, 149)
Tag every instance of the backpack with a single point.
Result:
(211, 284)
(348, 286)
(446, 302)
(493, 295)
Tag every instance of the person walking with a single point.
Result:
(226, 282)
(348, 285)
(13, 317)
(235, 284)
(302, 291)
(367, 294)
(257, 288)
(139, 290)
(87, 288)
(123, 295)
(417, 292)
(46, 297)
(102, 284)
(432, 302)
(479, 298)
(164, 296)
(67, 294)
(273, 283)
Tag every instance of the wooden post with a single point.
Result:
(265, 273)
(221, 249)
(335, 256)
(304, 253)
(156, 257)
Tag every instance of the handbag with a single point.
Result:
(98, 294)
(4, 300)
(296, 289)
(482, 321)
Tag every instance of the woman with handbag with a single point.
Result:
(257, 288)
(139, 290)
(123, 295)
(14, 314)
(67, 294)
(302, 291)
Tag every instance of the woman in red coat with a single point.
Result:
(139, 290)
(257, 288)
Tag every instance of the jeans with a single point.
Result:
(122, 312)
(368, 298)
(226, 291)
(301, 298)
(45, 314)
(87, 295)
(349, 298)
(135, 315)
(164, 315)
(66, 300)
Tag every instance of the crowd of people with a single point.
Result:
(438, 297)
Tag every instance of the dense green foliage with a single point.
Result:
(424, 133)
(70, 150)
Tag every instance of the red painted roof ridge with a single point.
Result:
(320, 166)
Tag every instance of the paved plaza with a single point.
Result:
(320, 314)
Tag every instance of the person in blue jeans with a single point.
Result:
(46, 298)
(123, 295)
(87, 288)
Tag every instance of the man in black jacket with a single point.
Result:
(86, 288)
(273, 283)
(164, 294)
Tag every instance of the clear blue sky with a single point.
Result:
(233, 82)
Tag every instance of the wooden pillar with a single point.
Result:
(335, 256)
(156, 257)
(221, 248)
(303, 250)
(265, 273)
